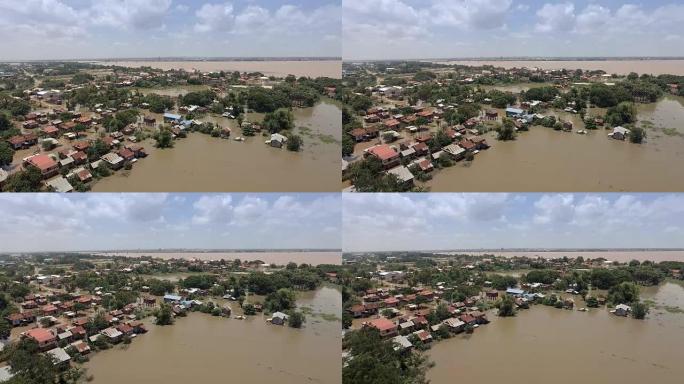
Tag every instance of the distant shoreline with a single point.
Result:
(172, 59)
(524, 58)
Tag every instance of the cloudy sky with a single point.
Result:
(67, 29)
(374, 222)
(387, 29)
(40, 222)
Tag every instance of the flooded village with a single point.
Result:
(84, 317)
(442, 126)
(436, 316)
(78, 126)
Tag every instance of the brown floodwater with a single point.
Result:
(205, 349)
(544, 344)
(279, 258)
(544, 160)
(279, 68)
(208, 164)
(621, 67)
(622, 256)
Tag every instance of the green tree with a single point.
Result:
(294, 142)
(296, 319)
(373, 360)
(625, 292)
(280, 300)
(164, 315)
(506, 131)
(6, 154)
(280, 120)
(637, 135)
(164, 139)
(639, 310)
(506, 306)
(29, 180)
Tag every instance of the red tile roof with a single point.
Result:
(382, 324)
(42, 162)
(383, 152)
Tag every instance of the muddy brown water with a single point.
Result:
(544, 160)
(622, 256)
(208, 164)
(544, 344)
(205, 349)
(621, 67)
(279, 258)
(312, 68)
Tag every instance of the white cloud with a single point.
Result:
(556, 17)
(135, 14)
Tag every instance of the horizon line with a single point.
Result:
(518, 58)
(182, 250)
(190, 58)
(604, 249)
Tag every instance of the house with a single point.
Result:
(386, 154)
(384, 326)
(44, 337)
(454, 324)
(126, 154)
(279, 318)
(60, 184)
(392, 124)
(491, 114)
(277, 140)
(391, 302)
(358, 134)
(113, 160)
(59, 356)
(455, 151)
(423, 336)
(514, 292)
(51, 131)
(619, 133)
(172, 299)
(492, 295)
(112, 334)
(81, 347)
(172, 118)
(514, 112)
(622, 310)
(401, 343)
(47, 166)
(403, 174)
(149, 121)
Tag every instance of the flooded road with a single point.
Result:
(621, 67)
(279, 68)
(205, 349)
(545, 344)
(204, 163)
(622, 256)
(544, 160)
(279, 258)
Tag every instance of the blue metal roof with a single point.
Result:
(172, 116)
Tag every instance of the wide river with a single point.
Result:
(622, 256)
(544, 160)
(204, 349)
(204, 163)
(547, 345)
(279, 68)
(280, 258)
(621, 67)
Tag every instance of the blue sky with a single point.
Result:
(386, 29)
(64, 29)
(40, 222)
(373, 222)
